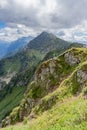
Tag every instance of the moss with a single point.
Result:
(22, 102)
(75, 86)
(14, 116)
(84, 68)
(37, 92)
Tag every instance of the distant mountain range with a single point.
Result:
(9, 49)
(18, 45)
(3, 48)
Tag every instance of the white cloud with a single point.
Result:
(3, 4)
(13, 33)
(78, 33)
(34, 16)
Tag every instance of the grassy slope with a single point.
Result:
(16, 93)
(13, 67)
(68, 113)
(58, 51)
(2, 93)
(11, 100)
(20, 61)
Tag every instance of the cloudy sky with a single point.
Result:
(65, 18)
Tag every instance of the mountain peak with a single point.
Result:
(46, 42)
(44, 32)
(47, 34)
(42, 41)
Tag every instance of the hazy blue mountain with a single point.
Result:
(3, 48)
(11, 48)
(17, 45)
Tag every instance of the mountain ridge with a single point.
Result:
(8, 49)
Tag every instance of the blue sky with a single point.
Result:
(2, 24)
(65, 18)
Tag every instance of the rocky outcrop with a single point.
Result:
(5, 80)
(46, 73)
(81, 76)
(71, 59)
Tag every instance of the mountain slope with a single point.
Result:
(56, 94)
(63, 116)
(12, 94)
(58, 52)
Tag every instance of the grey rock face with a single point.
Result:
(47, 73)
(71, 59)
(81, 76)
